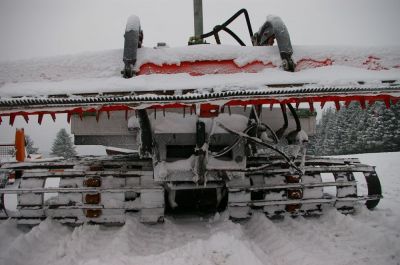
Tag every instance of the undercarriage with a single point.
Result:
(102, 191)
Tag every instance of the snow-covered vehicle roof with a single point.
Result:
(99, 72)
(196, 76)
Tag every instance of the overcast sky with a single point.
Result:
(35, 28)
(31, 28)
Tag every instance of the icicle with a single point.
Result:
(12, 119)
(311, 106)
(163, 112)
(78, 111)
(297, 105)
(53, 116)
(337, 105)
(362, 103)
(155, 113)
(323, 103)
(108, 114)
(126, 114)
(184, 111)
(98, 115)
(387, 102)
(26, 117)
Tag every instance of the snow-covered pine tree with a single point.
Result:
(355, 127)
(317, 142)
(30, 149)
(328, 139)
(63, 145)
(354, 130)
(395, 108)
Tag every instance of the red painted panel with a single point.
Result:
(204, 68)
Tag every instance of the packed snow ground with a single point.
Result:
(368, 237)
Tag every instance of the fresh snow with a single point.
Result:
(121, 150)
(368, 237)
(328, 76)
(133, 23)
(99, 72)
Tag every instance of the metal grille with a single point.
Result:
(7, 151)
(308, 91)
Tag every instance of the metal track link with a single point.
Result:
(278, 192)
(93, 191)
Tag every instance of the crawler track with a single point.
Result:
(102, 191)
(277, 191)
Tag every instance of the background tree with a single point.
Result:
(63, 145)
(353, 130)
(30, 149)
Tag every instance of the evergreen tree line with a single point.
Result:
(62, 145)
(354, 130)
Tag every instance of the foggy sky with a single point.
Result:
(34, 28)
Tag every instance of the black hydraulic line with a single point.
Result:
(276, 140)
(237, 140)
(216, 36)
(230, 32)
(288, 160)
(226, 23)
(281, 131)
(2, 205)
(146, 137)
(200, 153)
(259, 141)
(295, 116)
(292, 136)
(236, 37)
(254, 115)
(285, 118)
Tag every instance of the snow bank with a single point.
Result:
(368, 237)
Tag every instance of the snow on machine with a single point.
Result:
(203, 122)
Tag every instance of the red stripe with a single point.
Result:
(209, 109)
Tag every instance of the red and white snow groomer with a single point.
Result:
(215, 127)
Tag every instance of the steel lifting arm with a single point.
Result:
(274, 28)
(133, 40)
